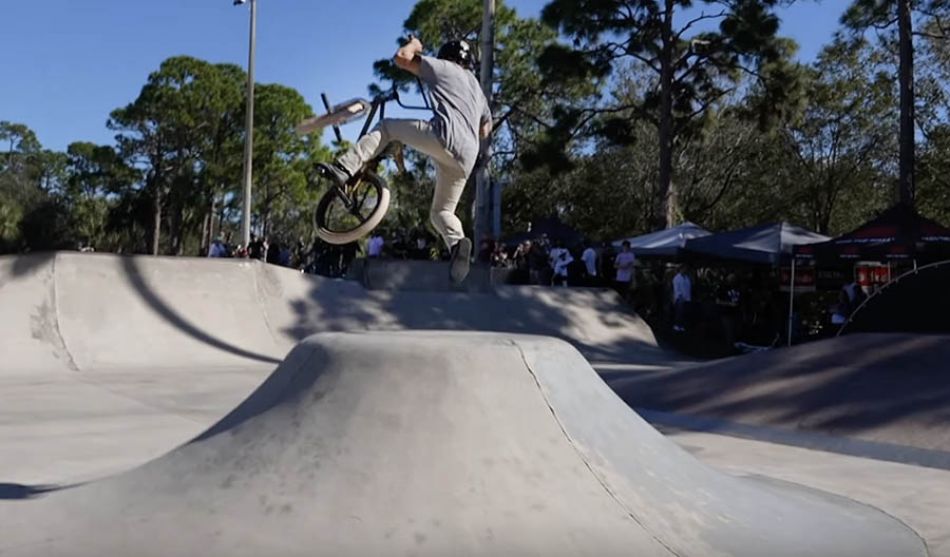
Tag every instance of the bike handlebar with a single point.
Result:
(393, 95)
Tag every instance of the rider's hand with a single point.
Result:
(406, 57)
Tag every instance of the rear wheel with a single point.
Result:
(346, 215)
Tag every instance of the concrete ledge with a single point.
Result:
(420, 276)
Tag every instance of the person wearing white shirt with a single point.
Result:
(625, 262)
(374, 248)
(682, 296)
(561, 258)
(589, 257)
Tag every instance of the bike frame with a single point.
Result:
(377, 106)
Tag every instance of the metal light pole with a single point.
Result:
(483, 196)
(249, 125)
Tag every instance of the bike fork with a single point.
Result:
(341, 193)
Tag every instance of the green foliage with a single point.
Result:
(172, 183)
(527, 127)
(933, 186)
(28, 176)
(283, 162)
(750, 136)
(843, 144)
(692, 70)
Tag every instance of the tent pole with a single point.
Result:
(791, 301)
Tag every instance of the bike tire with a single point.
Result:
(333, 233)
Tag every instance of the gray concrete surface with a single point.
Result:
(920, 497)
(86, 312)
(885, 392)
(430, 443)
(109, 361)
(74, 408)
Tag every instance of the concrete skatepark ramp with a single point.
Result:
(107, 362)
(877, 395)
(915, 302)
(94, 312)
(433, 443)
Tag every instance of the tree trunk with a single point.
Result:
(206, 223)
(177, 228)
(906, 182)
(207, 233)
(666, 194)
(157, 217)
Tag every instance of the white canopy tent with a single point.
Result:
(666, 243)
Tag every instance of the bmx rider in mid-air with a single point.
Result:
(452, 138)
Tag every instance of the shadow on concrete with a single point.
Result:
(26, 264)
(294, 375)
(345, 305)
(18, 491)
(915, 302)
(166, 312)
(886, 388)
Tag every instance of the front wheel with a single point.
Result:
(345, 215)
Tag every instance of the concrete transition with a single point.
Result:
(429, 443)
(92, 312)
(107, 362)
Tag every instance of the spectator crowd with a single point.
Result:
(734, 306)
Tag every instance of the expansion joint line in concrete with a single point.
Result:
(256, 269)
(67, 353)
(590, 468)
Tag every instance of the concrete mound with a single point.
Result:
(107, 362)
(434, 443)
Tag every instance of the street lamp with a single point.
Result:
(485, 207)
(249, 125)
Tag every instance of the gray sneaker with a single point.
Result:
(461, 260)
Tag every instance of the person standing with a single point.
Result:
(255, 249)
(561, 259)
(625, 263)
(217, 249)
(728, 299)
(374, 247)
(682, 297)
(589, 257)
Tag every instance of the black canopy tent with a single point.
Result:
(898, 233)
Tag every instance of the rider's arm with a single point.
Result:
(486, 128)
(407, 57)
(486, 123)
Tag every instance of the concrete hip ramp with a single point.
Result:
(436, 443)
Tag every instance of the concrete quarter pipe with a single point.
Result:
(435, 443)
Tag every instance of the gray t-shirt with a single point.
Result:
(460, 108)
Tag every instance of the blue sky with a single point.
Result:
(65, 64)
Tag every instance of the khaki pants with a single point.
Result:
(450, 176)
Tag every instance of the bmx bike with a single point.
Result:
(348, 211)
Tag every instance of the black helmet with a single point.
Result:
(456, 51)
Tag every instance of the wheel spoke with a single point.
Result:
(348, 209)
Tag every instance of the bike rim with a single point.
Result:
(351, 209)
